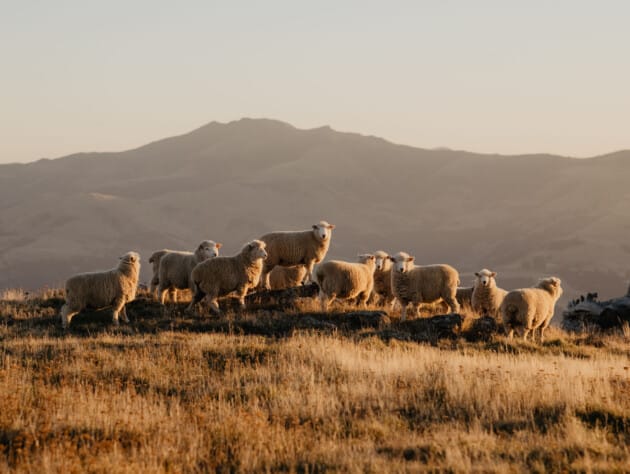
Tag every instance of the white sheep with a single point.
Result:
(175, 268)
(306, 248)
(97, 290)
(345, 280)
(154, 260)
(220, 276)
(286, 277)
(527, 309)
(383, 278)
(423, 284)
(487, 296)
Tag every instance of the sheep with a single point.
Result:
(286, 277)
(175, 268)
(382, 278)
(487, 296)
(423, 284)
(97, 290)
(527, 309)
(220, 276)
(154, 260)
(345, 280)
(464, 298)
(306, 248)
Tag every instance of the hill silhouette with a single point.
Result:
(524, 216)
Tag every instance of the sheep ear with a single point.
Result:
(391, 258)
(219, 245)
(331, 226)
(477, 274)
(493, 274)
(314, 226)
(410, 259)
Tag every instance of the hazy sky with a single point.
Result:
(489, 76)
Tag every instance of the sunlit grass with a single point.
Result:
(141, 398)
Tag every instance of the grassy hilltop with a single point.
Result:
(300, 391)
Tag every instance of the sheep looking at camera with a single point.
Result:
(289, 248)
(423, 284)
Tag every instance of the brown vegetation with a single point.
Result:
(302, 391)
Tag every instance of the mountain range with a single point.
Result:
(524, 216)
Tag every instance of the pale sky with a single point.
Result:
(495, 76)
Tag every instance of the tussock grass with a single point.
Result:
(282, 392)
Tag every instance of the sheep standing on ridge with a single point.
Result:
(281, 278)
(154, 260)
(220, 276)
(115, 288)
(423, 284)
(345, 280)
(527, 309)
(383, 278)
(175, 268)
(306, 248)
(487, 296)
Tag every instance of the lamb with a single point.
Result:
(423, 284)
(345, 280)
(175, 268)
(97, 290)
(382, 278)
(487, 296)
(527, 309)
(286, 277)
(220, 276)
(306, 248)
(154, 260)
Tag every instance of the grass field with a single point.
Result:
(301, 392)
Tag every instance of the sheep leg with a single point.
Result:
(403, 311)
(452, 303)
(214, 306)
(363, 299)
(173, 293)
(525, 334)
(162, 293)
(66, 315)
(309, 273)
(123, 313)
(118, 305)
(241, 292)
(197, 297)
(325, 300)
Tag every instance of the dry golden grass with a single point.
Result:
(168, 393)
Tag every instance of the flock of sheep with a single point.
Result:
(286, 259)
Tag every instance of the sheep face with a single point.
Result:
(552, 285)
(323, 231)
(403, 262)
(380, 259)
(130, 258)
(366, 257)
(256, 250)
(208, 249)
(485, 277)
